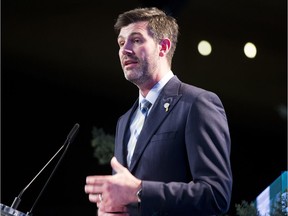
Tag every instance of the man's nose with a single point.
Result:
(127, 51)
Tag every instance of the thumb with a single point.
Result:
(116, 166)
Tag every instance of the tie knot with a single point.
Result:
(144, 106)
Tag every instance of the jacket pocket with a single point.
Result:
(164, 136)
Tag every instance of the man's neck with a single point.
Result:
(147, 86)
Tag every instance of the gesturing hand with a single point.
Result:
(113, 192)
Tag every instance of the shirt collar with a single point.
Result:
(155, 91)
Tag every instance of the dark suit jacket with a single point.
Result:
(182, 155)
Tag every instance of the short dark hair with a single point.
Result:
(160, 24)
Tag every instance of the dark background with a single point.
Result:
(59, 66)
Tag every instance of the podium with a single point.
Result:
(8, 211)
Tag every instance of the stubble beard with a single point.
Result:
(137, 76)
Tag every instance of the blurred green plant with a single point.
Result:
(103, 145)
(246, 209)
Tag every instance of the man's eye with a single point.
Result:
(136, 40)
(121, 43)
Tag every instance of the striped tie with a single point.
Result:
(137, 125)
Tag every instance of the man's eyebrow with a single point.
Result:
(132, 34)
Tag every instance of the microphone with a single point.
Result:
(13, 209)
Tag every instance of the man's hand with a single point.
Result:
(113, 192)
(100, 213)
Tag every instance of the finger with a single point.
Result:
(94, 189)
(95, 198)
(116, 166)
(120, 210)
(102, 213)
(96, 179)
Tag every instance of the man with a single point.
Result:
(179, 164)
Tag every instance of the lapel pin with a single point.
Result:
(166, 106)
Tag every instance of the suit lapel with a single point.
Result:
(169, 96)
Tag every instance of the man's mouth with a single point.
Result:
(130, 62)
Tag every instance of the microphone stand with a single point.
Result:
(13, 209)
(46, 183)
(17, 199)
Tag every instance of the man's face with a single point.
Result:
(138, 52)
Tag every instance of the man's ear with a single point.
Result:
(165, 46)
